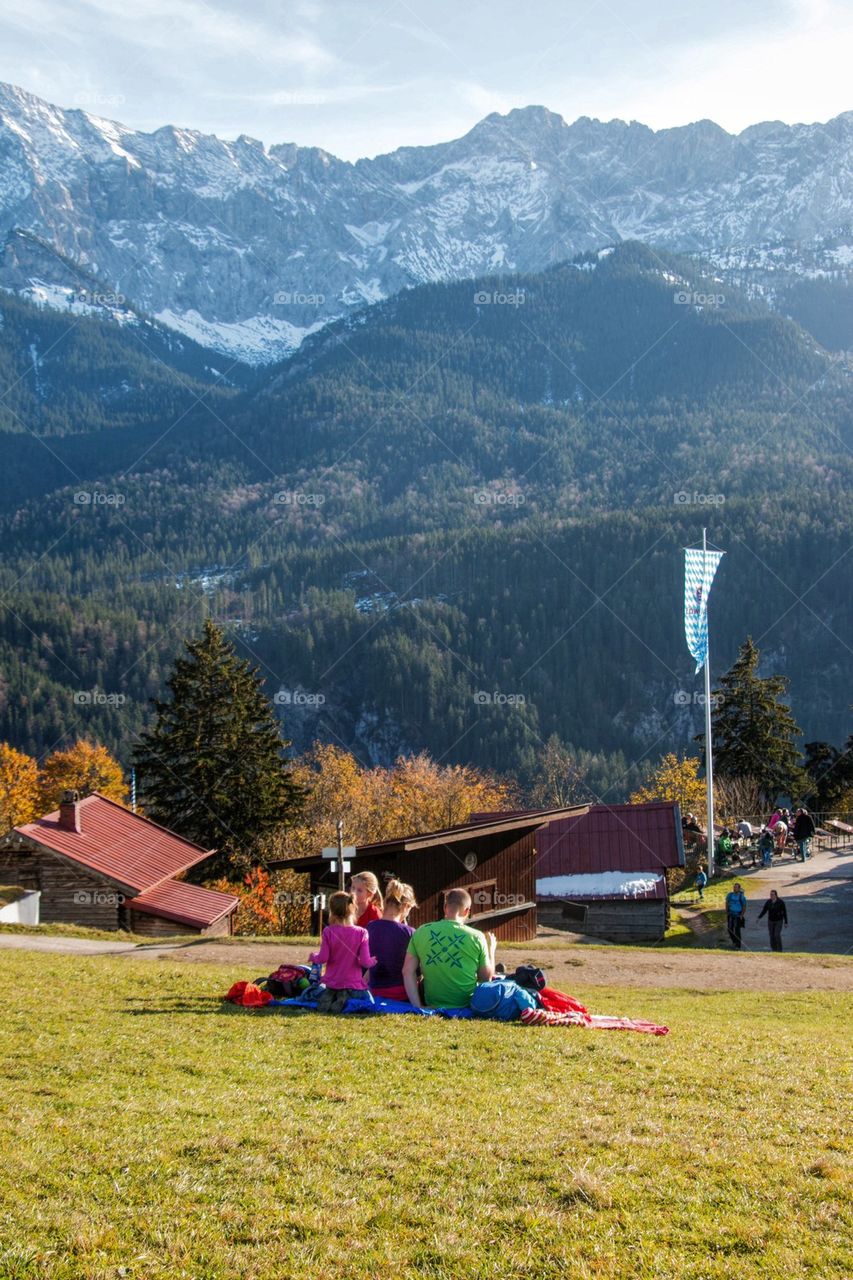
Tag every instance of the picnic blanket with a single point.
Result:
(560, 1011)
(599, 1021)
(370, 1004)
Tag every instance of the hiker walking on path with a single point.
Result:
(777, 918)
(804, 829)
(736, 914)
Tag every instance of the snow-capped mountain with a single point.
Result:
(247, 249)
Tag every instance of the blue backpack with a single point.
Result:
(502, 999)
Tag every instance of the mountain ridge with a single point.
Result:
(248, 249)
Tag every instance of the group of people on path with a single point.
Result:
(774, 908)
(773, 835)
(368, 945)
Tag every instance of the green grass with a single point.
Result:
(81, 931)
(10, 893)
(154, 1134)
(138, 939)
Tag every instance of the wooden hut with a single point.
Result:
(603, 872)
(96, 863)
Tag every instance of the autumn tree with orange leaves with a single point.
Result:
(83, 767)
(19, 787)
(415, 794)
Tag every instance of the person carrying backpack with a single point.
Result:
(736, 915)
(804, 829)
(766, 845)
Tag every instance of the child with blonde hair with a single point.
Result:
(345, 951)
(389, 940)
(368, 899)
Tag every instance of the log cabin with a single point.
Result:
(98, 864)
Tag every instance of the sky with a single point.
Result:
(361, 77)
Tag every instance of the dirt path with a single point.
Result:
(566, 964)
(569, 966)
(819, 898)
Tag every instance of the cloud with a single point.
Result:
(797, 73)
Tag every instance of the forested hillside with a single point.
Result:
(453, 522)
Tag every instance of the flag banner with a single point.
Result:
(699, 569)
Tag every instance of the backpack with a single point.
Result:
(289, 980)
(501, 999)
(528, 976)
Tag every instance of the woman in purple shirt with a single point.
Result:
(389, 938)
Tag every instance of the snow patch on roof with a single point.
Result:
(604, 884)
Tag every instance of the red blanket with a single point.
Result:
(576, 1018)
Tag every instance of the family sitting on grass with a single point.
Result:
(367, 945)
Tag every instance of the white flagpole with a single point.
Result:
(709, 764)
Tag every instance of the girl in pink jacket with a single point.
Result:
(345, 951)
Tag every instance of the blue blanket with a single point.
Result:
(370, 1004)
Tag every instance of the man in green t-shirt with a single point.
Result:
(451, 956)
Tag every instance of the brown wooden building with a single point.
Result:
(494, 858)
(98, 864)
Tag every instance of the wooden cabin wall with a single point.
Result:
(508, 859)
(69, 894)
(617, 921)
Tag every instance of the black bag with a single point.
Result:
(528, 976)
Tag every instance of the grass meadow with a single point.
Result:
(150, 1132)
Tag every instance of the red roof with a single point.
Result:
(122, 846)
(184, 903)
(611, 837)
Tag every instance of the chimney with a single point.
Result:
(69, 811)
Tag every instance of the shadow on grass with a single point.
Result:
(142, 1006)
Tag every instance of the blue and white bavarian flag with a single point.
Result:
(699, 569)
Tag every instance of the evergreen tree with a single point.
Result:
(829, 776)
(211, 767)
(754, 730)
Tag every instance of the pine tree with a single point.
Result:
(754, 730)
(829, 776)
(212, 768)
